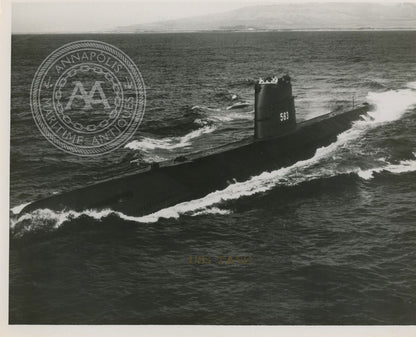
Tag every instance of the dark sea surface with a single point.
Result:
(329, 240)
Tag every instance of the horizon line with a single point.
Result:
(221, 31)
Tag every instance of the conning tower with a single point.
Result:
(274, 108)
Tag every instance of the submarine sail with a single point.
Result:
(274, 108)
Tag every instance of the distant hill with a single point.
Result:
(307, 16)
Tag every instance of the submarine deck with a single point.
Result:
(184, 178)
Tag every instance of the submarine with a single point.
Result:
(278, 140)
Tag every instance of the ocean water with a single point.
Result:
(328, 240)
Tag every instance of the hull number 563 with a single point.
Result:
(284, 116)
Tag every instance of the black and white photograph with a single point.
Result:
(211, 163)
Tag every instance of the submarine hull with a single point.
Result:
(150, 190)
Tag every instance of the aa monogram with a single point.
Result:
(88, 98)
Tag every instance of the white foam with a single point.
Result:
(169, 143)
(238, 105)
(59, 217)
(230, 116)
(18, 209)
(365, 174)
(203, 107)
(402, 167)
(212, 210)
(411, 85)
(391, 105)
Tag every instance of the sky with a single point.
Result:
(100, 16)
